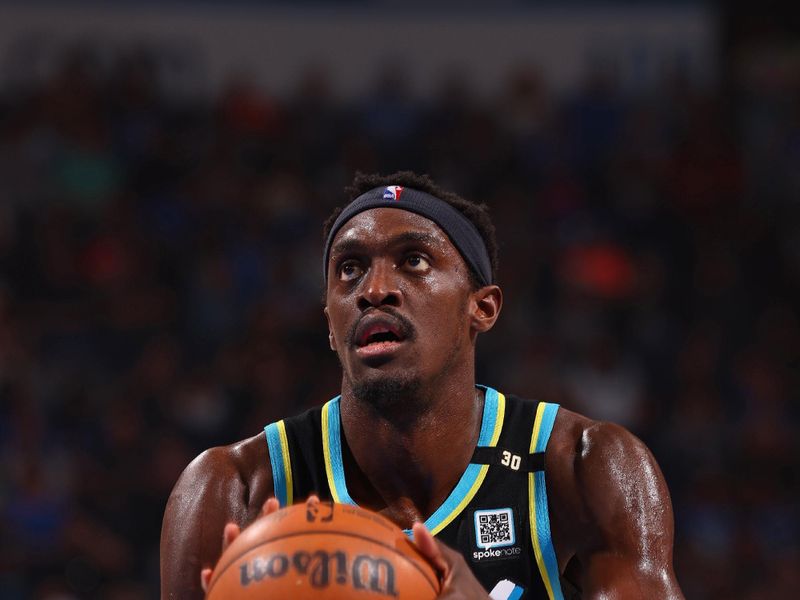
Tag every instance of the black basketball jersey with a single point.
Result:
(496, 515)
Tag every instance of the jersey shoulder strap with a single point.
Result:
(281, 462)
(293, 454)
(539, 516)
(513, 449)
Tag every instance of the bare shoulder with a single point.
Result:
(241, 458)
(238, 473)
(223, 484)
(603, 468)
(610, 506)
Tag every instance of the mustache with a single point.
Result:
(407, 329)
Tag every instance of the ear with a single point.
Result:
(485, 306)
(331, 339)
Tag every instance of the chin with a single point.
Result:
(386, 391)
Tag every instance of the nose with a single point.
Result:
(380, 286)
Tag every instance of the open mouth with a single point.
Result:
(379, 338)
(378, 333)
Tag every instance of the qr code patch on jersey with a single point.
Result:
(494, 528)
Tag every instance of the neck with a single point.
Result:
(406, 458)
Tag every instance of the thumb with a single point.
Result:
(430, 549)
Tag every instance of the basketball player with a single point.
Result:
(525, 499)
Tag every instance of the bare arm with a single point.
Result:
(627, 550)
(222, 485)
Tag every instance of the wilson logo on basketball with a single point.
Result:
(323, 550)
(322, 569)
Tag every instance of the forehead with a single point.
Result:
(378, 226)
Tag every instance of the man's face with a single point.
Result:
(398, 301)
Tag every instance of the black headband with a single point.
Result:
(461, 231)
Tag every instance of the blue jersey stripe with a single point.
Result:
(334, 434)
(516, 594)
(277, 462)
(546, 428)
(542, 516)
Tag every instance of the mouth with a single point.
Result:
(378, 337)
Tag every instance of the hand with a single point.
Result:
(458, 582)
(231, 531)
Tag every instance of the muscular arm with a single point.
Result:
(626, 552)
(222, 485)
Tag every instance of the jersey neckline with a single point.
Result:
(467, 486)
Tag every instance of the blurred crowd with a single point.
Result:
(160, 292)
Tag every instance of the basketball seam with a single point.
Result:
(335, 531)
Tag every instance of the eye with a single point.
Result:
(350, 270)
(417, 263)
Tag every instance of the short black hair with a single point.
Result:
(478, 214)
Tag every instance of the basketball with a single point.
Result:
(327, 551)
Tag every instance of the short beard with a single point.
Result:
(387, 394)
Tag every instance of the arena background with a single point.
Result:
(165, 170)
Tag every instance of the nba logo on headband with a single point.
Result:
(392, 192)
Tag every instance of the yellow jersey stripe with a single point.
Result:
(287, 462)
(326, 451)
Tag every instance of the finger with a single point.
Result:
(312, 499)
(205, 578)
(230, 533)
(429, 548)
(270, 506)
